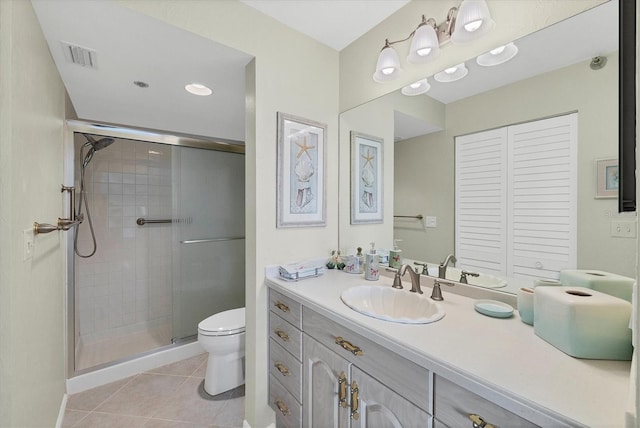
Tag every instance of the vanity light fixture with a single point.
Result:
(198, 89)
(498, 55)
(464, 23)
(473, 21)
(451, 74)
(416, 88)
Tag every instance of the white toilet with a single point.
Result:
(222, 336)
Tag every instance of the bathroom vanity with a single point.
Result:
(332, 366)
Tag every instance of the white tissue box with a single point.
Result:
(605, 282)
(583, 323)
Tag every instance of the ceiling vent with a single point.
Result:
(79, 55)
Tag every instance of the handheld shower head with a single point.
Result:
(102, 143)
(94, 145)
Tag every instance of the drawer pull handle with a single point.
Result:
(282, 307)
(354, 401)
(355, 350)
(342, 390)
(282, 407)
(283, 369)
(282, 335)
(479, 422)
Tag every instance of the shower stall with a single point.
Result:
(161, 245)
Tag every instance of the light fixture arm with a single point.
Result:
(424, 21)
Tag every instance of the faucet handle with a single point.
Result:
(436, 294)
(425, 268)
(397, 280)
(464, 274)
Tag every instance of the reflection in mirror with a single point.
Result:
(550, 76)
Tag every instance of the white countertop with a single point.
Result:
(504, 354)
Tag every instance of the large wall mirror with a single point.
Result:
(553, 74)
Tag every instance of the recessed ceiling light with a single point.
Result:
(198, 89)
(141, 84)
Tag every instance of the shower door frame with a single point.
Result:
(127, 133)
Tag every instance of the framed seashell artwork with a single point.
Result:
(366, 178)
(301, 184)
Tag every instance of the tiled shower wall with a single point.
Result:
(126, 287)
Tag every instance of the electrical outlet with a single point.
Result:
(27, 244)
(430, 221)
(623, 229)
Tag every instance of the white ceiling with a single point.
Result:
(134, 47)
(336, 23)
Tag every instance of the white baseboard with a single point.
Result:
(129, 368)
(63, 407)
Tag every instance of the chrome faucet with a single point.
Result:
(442, 269)
(436, 293)
(415, 277)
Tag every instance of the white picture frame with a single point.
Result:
(301, 181)
(367, 196)
(607, 178)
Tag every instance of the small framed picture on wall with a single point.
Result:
(607, 179)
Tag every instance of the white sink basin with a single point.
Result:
(390, 304)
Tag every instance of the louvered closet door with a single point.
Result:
(481, 190)
(542, 195)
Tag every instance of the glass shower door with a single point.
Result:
(209, 245)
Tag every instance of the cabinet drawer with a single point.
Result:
(288, 410)
(453, 405)
(397, 373)
(286, 335)
(287, 308)
(285, 368)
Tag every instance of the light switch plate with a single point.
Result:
(430, 221)
(623, 229)
(27, 244)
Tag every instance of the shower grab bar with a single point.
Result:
(142, 221)
(419, 216)
(199, 241)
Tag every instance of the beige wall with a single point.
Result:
(593, 94)
(514, 18)
(292, 74)
(32, 341)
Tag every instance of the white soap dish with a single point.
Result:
(494, 308)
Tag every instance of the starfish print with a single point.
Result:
(304, 148)
(367, 159)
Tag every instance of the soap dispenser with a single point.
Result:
(395, 255)
(360, 257)
(371, 268)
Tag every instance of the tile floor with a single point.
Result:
(171, 396)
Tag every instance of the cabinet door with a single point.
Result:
(379, 407)
(325, 387)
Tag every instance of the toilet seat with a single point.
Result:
(223, 323)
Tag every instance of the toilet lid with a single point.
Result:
(223, 323)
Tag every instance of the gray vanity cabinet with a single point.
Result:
(285, 360)
(454, 406)
(326, 387)
(351, 381)
(324, 374)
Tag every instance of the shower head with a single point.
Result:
(99, 144)
(95, 145)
